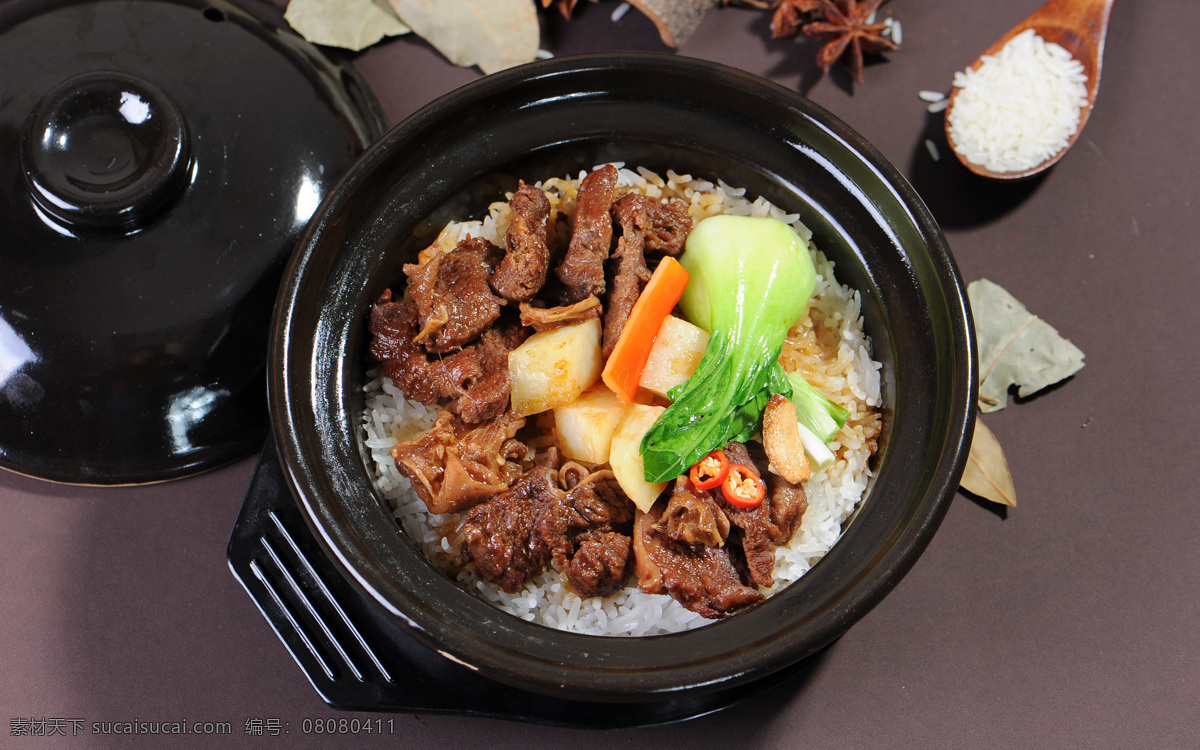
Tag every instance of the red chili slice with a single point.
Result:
(743, 488)
(710, 471)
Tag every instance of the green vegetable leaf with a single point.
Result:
(750, 280)
(1015, 347)
(820, 415)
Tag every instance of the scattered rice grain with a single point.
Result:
(938, 106)
(932, 148)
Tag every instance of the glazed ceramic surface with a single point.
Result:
(454, 157)
(158, 162)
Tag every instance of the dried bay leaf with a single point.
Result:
(987, 473)
(1015, 347)
(493, 34)
(351, 24)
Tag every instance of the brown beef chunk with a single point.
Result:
(632, 272)
(499, 535)
(669, 226)
(393, 326)
(646, 224)
(693, 517)
(754, 524)
(475, 379)
(704, 579)
(582, 270)
(788, 504)
(595, 503)
(523, 271)
(601, 502)
(486, 397)
(601, 564)
(454, 302)
(546, 318)
(454, 467)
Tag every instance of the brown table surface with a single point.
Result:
(1068, 621)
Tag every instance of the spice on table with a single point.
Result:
(1015, 347)
(350, 24)
(566, 7)
(493, 34)
(986, 473)
(848, 27)
(789, 16)
(676, 20)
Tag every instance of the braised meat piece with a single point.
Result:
(454, 302)
(788, 504)
(704, 579)
(454, 467)
(755, 532)
(393, 326)
(669, 226)
(515, 535)
(601, 565)
(595, 503)
(523, 271)
(499, 535)
(632, 272)
(646, 224)
(545, 318)
(486, 397)
(582, 270)
(475, 379)
(693, 517)
(601, 503)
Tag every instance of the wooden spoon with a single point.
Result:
(1079, 26)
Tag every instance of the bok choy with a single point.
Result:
(750, 281)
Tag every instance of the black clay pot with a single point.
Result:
(159, 160)
(450, 160)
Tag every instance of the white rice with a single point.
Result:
(932, 148)
(1020, 107)
(827, 345)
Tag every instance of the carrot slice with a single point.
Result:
(623, 371)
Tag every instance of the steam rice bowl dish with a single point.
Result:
(827, 346)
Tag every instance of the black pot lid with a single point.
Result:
(159, 159)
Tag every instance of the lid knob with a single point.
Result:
(104, 150)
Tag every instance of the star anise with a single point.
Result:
(566, 7)
(790, 16)
(843, 25)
